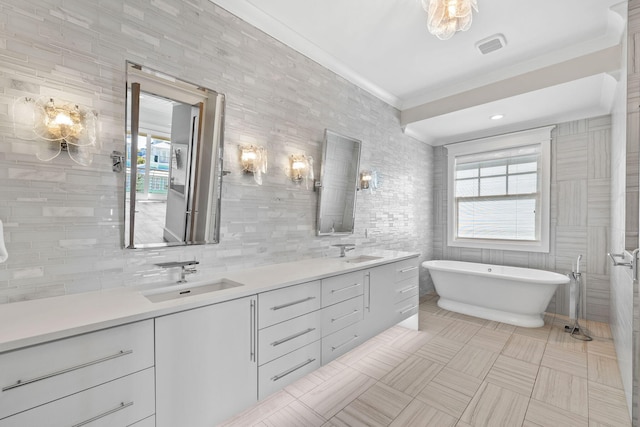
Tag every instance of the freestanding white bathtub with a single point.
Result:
(518, 296)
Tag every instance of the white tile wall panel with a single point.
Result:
(63, 220)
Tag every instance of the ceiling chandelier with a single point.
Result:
(445, 17)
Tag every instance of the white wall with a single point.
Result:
(624, 190)
(63, 221)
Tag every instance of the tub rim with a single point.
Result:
(547, 277)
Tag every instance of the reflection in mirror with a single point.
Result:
(338, 184)
(173, 161)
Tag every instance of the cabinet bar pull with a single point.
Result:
(409, 309)
(104, 414)
(252, 310)
(255, 330)
(406, 270)
(344, 316)
(368, 290)
(294, 336)
(20, 383)
(345, 288)
(289, 304)
(355, 337)
(405, 290)
(289, 371)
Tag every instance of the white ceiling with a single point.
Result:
(384, 47)
(155, 115)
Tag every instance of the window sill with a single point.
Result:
(540, 247)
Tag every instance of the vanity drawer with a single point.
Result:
(277, 374)
(147, 422)
(35, 375)
(405, 309)
(286, 303)
(283, 338)
(341, 315)
(406, 289)
(406, 269)
(338, 343)
(343, 287)
(117, 403)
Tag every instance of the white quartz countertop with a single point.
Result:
(34, 322)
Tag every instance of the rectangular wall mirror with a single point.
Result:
(173, 158)
(338, 184)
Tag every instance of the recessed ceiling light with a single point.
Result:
(497, 116)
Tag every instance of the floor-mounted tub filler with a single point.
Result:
(514, 295)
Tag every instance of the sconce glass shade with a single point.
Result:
(298, 166)
(446, 17)
(301, 168)
(365, 179)
(368, 180)
(60, 126)
(253, 159)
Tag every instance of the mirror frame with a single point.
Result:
(201, 195)
(327, 134)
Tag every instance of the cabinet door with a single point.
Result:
(206, 363)
(379, 299)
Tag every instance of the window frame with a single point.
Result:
(539, 136)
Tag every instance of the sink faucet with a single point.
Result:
(187, 267)
(344, 248)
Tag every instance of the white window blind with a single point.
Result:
(499, 192)
(497, 198)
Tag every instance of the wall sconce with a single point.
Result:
(253, 159)
(301, 168)
(368, 180)
(61, 126)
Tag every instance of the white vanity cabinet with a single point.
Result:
(206, 363)
(406, 289)
(105, 377)
(391, 295)
(342, 313)
(289, 335)
(193, 362)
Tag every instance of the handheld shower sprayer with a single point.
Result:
(577, 270)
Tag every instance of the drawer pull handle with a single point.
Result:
(344, 316)
(289, 304)
(295, 368)
(409, 309)
(104, 414)
(355, 337)
(406, 270)
(20, 383)
(294, 336)
(410, 288)
(345, 288)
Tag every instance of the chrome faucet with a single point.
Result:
(187, 267)
(344, 248)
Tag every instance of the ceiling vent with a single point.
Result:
(491, 44)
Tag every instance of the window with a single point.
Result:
(499, 192)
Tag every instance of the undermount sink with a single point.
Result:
(362, 258)
(186, 291)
